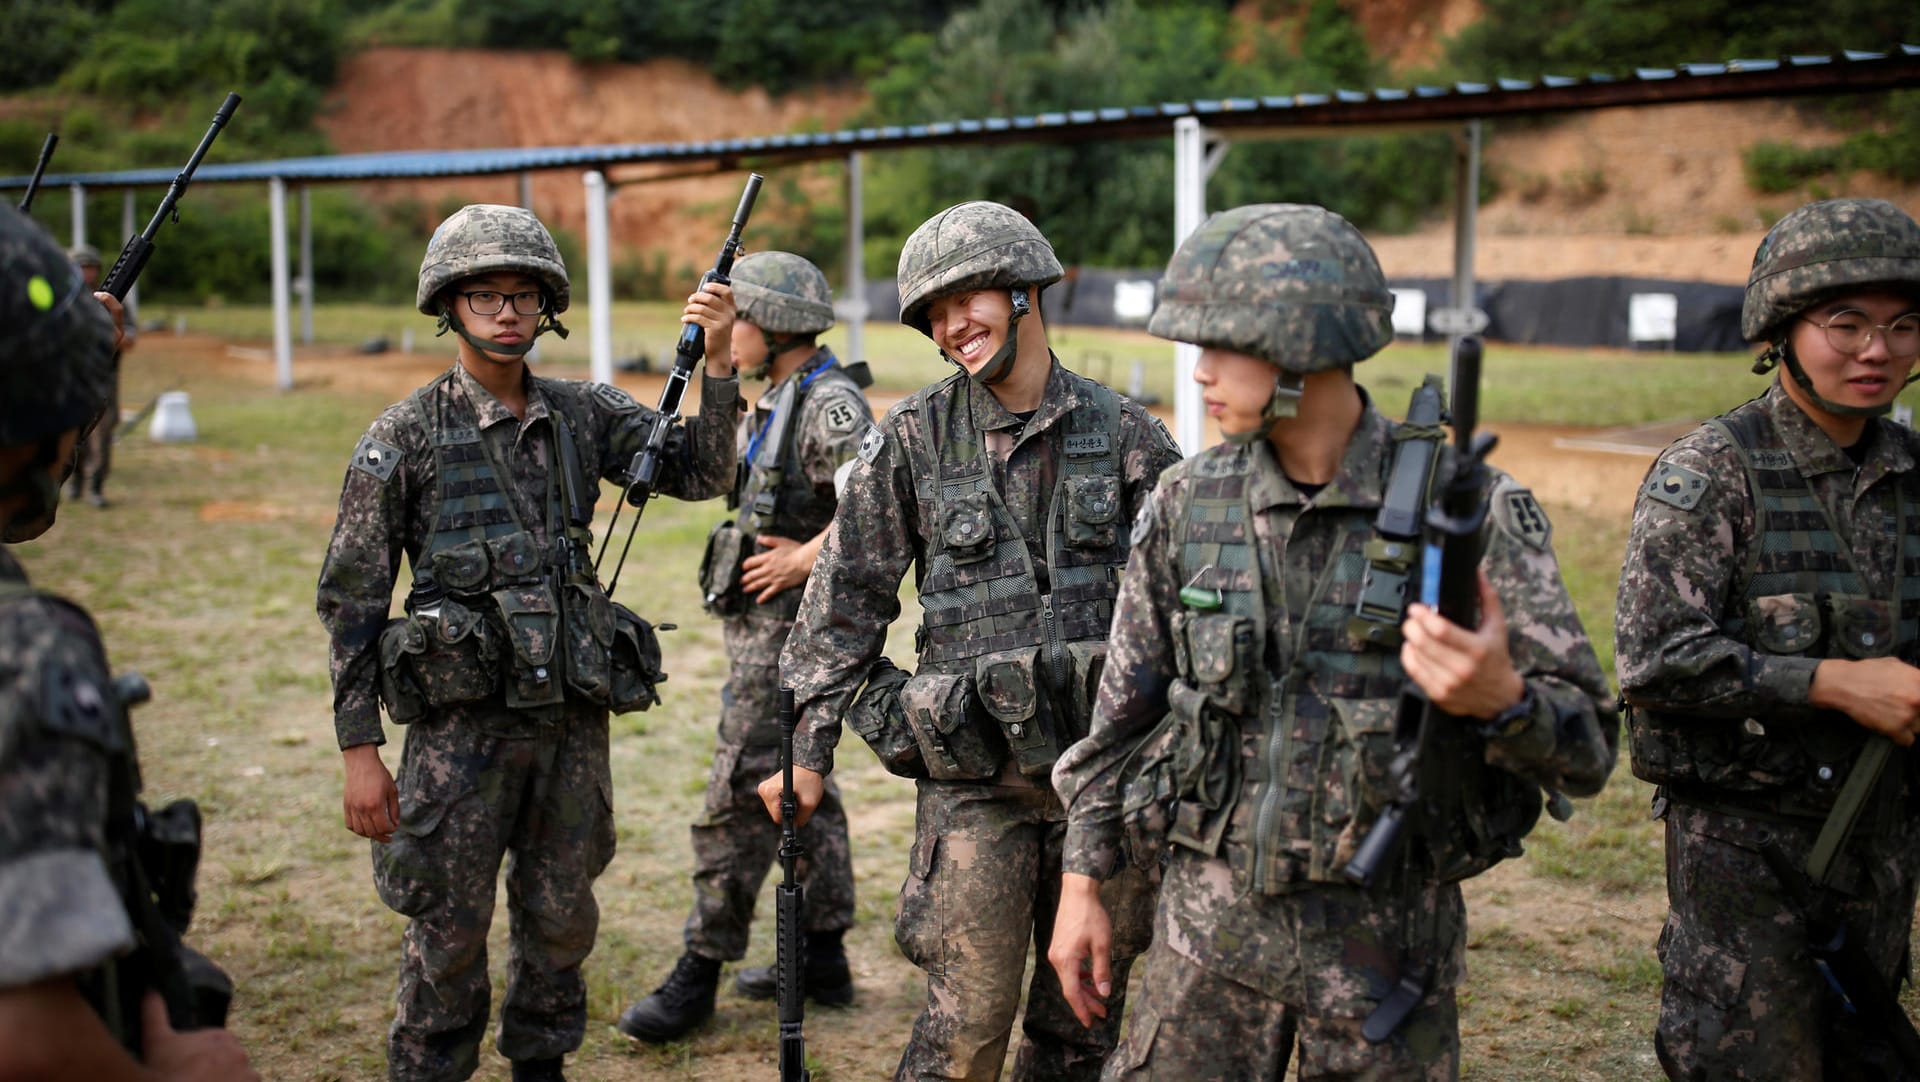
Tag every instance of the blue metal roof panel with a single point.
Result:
(1809, 61)
(1351, 97)
(1514, 84)
(1080, 116)
(1277, 103)
(1746, 64)
(1854, 54)
(1652, 75)
(1470, 88)
(1555, 82)
(1310, 99)
(1389, 93)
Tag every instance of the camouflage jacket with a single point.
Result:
(1570, 743)
(63, 738)
(388, 498)
(1684, 586)
(824, 436)
(884, 525)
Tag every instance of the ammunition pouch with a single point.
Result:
(955, 744)
(1147, 794)
(530, 618)
(1087, 660)
(1093, 510)
(1219, 653)
(634, 666)
(966, 527)
(1008, 684)
(720, 569)
(437, 659)
(879, 717)
(1204, 769)
(589, 624)
(166, 846)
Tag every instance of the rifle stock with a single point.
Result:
(133, 258)
(644, 472)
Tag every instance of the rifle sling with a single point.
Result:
(1853, 795)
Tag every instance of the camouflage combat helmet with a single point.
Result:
(84, 255)
(782, 293)
(60, 369)
(1292, 284)
(1826, 248)
(971, 246)
(485, 238)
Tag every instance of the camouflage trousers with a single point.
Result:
(468, 800)
(1235, 980)
(1742, 998)
(983, 884)
(735, 843)
(93, 457)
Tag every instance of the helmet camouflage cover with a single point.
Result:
(971, 246)
(1826, 248)
(486, 238)
(84, 255)
(59, 370)
(1292, 284)
(782, 293)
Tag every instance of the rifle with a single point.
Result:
(39, 170)
(788, 897)
(133, 258)
(692, 347)
(121, 428)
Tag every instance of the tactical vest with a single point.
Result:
(1034, 655)
(530, 622)
(1803, 597)
(774, 497)
(1283, 733)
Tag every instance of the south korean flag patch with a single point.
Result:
(376, 458)
(871, 443)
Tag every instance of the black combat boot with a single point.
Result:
(676, 1007)
(539, 1070)
(825, 975)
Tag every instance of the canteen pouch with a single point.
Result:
(1785, 623)
(400, 640)
(1863, 627)
(436, 659)
(1147, 798)
(531, 621)
(939, 708)
(1206, 770)
(634, 669)
(1093, 506)
(588, 616)
(966, 527)
(1009, 690)
(879, 717)
(514, 557)
(720, 571)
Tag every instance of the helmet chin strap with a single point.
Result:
(1781, 352)
(451, 322)
(775, 347)
(1283, 403)
(1000, 365)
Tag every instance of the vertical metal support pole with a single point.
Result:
(599, 280)
(853, 304)
(1196, 154)
(1466, 213)
(526, 189)
(127, 230)
(306, 265)
(79, 200)
(282, 316)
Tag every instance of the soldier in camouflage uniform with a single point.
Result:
(796, 451)
(1233, 625)
(94, 458)
(68, 771)
(510, 655)
(1006, 487)
(1766, 634)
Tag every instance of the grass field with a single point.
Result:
(202, 576)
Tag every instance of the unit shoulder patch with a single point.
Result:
(1675, 486)
(376, 458)
(841, 416)
(1519, 514)
(871, 443)
(613, 399)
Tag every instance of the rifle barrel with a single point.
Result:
(39, 170)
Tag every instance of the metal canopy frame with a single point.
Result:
(1201, 131)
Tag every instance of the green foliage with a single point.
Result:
(43, 37)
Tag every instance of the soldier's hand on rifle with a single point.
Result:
(785, 565)
(808, 787)
(372, 801)
(119, 319)
(1881, 694)
(1081, 951)
(1468, 674)
(201, 1055)
(712, 307)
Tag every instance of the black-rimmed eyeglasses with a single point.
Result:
(488, 302)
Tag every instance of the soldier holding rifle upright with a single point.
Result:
(1244, 733)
